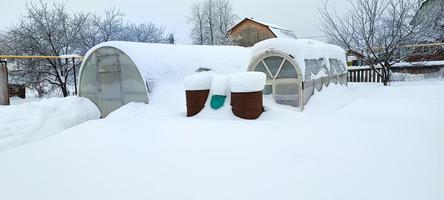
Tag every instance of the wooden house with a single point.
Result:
(250, 31)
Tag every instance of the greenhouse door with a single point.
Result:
(110, 87)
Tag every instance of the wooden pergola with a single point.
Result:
(4, 85)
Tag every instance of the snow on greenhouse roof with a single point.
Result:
(157, 62)
(301, 50)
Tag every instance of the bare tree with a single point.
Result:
(102, 28)
(48, 31)
(225, 20)
(146, 32)
(211, 19)
(378, 30)
(197, 18)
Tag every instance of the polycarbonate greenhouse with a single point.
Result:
(296, 68)
(116, 73)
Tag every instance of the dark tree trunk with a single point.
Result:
(386, 75)
(64, 90)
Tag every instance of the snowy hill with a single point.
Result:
(361, 142)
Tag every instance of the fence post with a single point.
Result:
(4, 87)
(357, 75)
(379, 77)
(362, 75)
(366, 75)
(374, 76)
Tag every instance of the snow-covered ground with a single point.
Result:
(361, 142)
(32, 119)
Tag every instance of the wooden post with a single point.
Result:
(4, 87)
(75, 76)
(379, 77)
(355, 76)
(365, 75)
(374, 76)
(362, 75)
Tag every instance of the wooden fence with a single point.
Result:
(363, 75)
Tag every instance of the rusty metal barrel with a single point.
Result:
(246, 94)
(247, 105)
(197, 88)
(196, 100)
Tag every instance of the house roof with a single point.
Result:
(278, 31)
(422, 4)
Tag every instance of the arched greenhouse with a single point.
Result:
(116, 73)
(296, 68)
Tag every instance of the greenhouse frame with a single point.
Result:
(114, 74)
(296, 68)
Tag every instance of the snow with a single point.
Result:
(405, 64)
(269, 24)
(160, 62)
(200, 81)
(220, 85)
(397, 76)
(248, 82)
(281, 33)
(301, 50)
(278, 31)
(29, 122)
(361, 142)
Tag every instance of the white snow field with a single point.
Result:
(361, 142)
(38, 119)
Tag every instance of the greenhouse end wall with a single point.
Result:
(288, 84)
(110, 79)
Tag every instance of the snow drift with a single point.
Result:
(30, 122)
(364, 142)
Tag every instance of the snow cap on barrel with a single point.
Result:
(248, 82)
(200, 81)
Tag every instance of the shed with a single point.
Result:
(250, 31)
(295, 68)
(116, 73)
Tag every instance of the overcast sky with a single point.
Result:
(300, 15)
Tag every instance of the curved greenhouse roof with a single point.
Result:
(301, 50)
(116, 73)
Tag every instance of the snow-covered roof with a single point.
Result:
(424, 1)
(282, 33)
(157, 62)
(278, 31)
(269, 24)
(301, 50)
